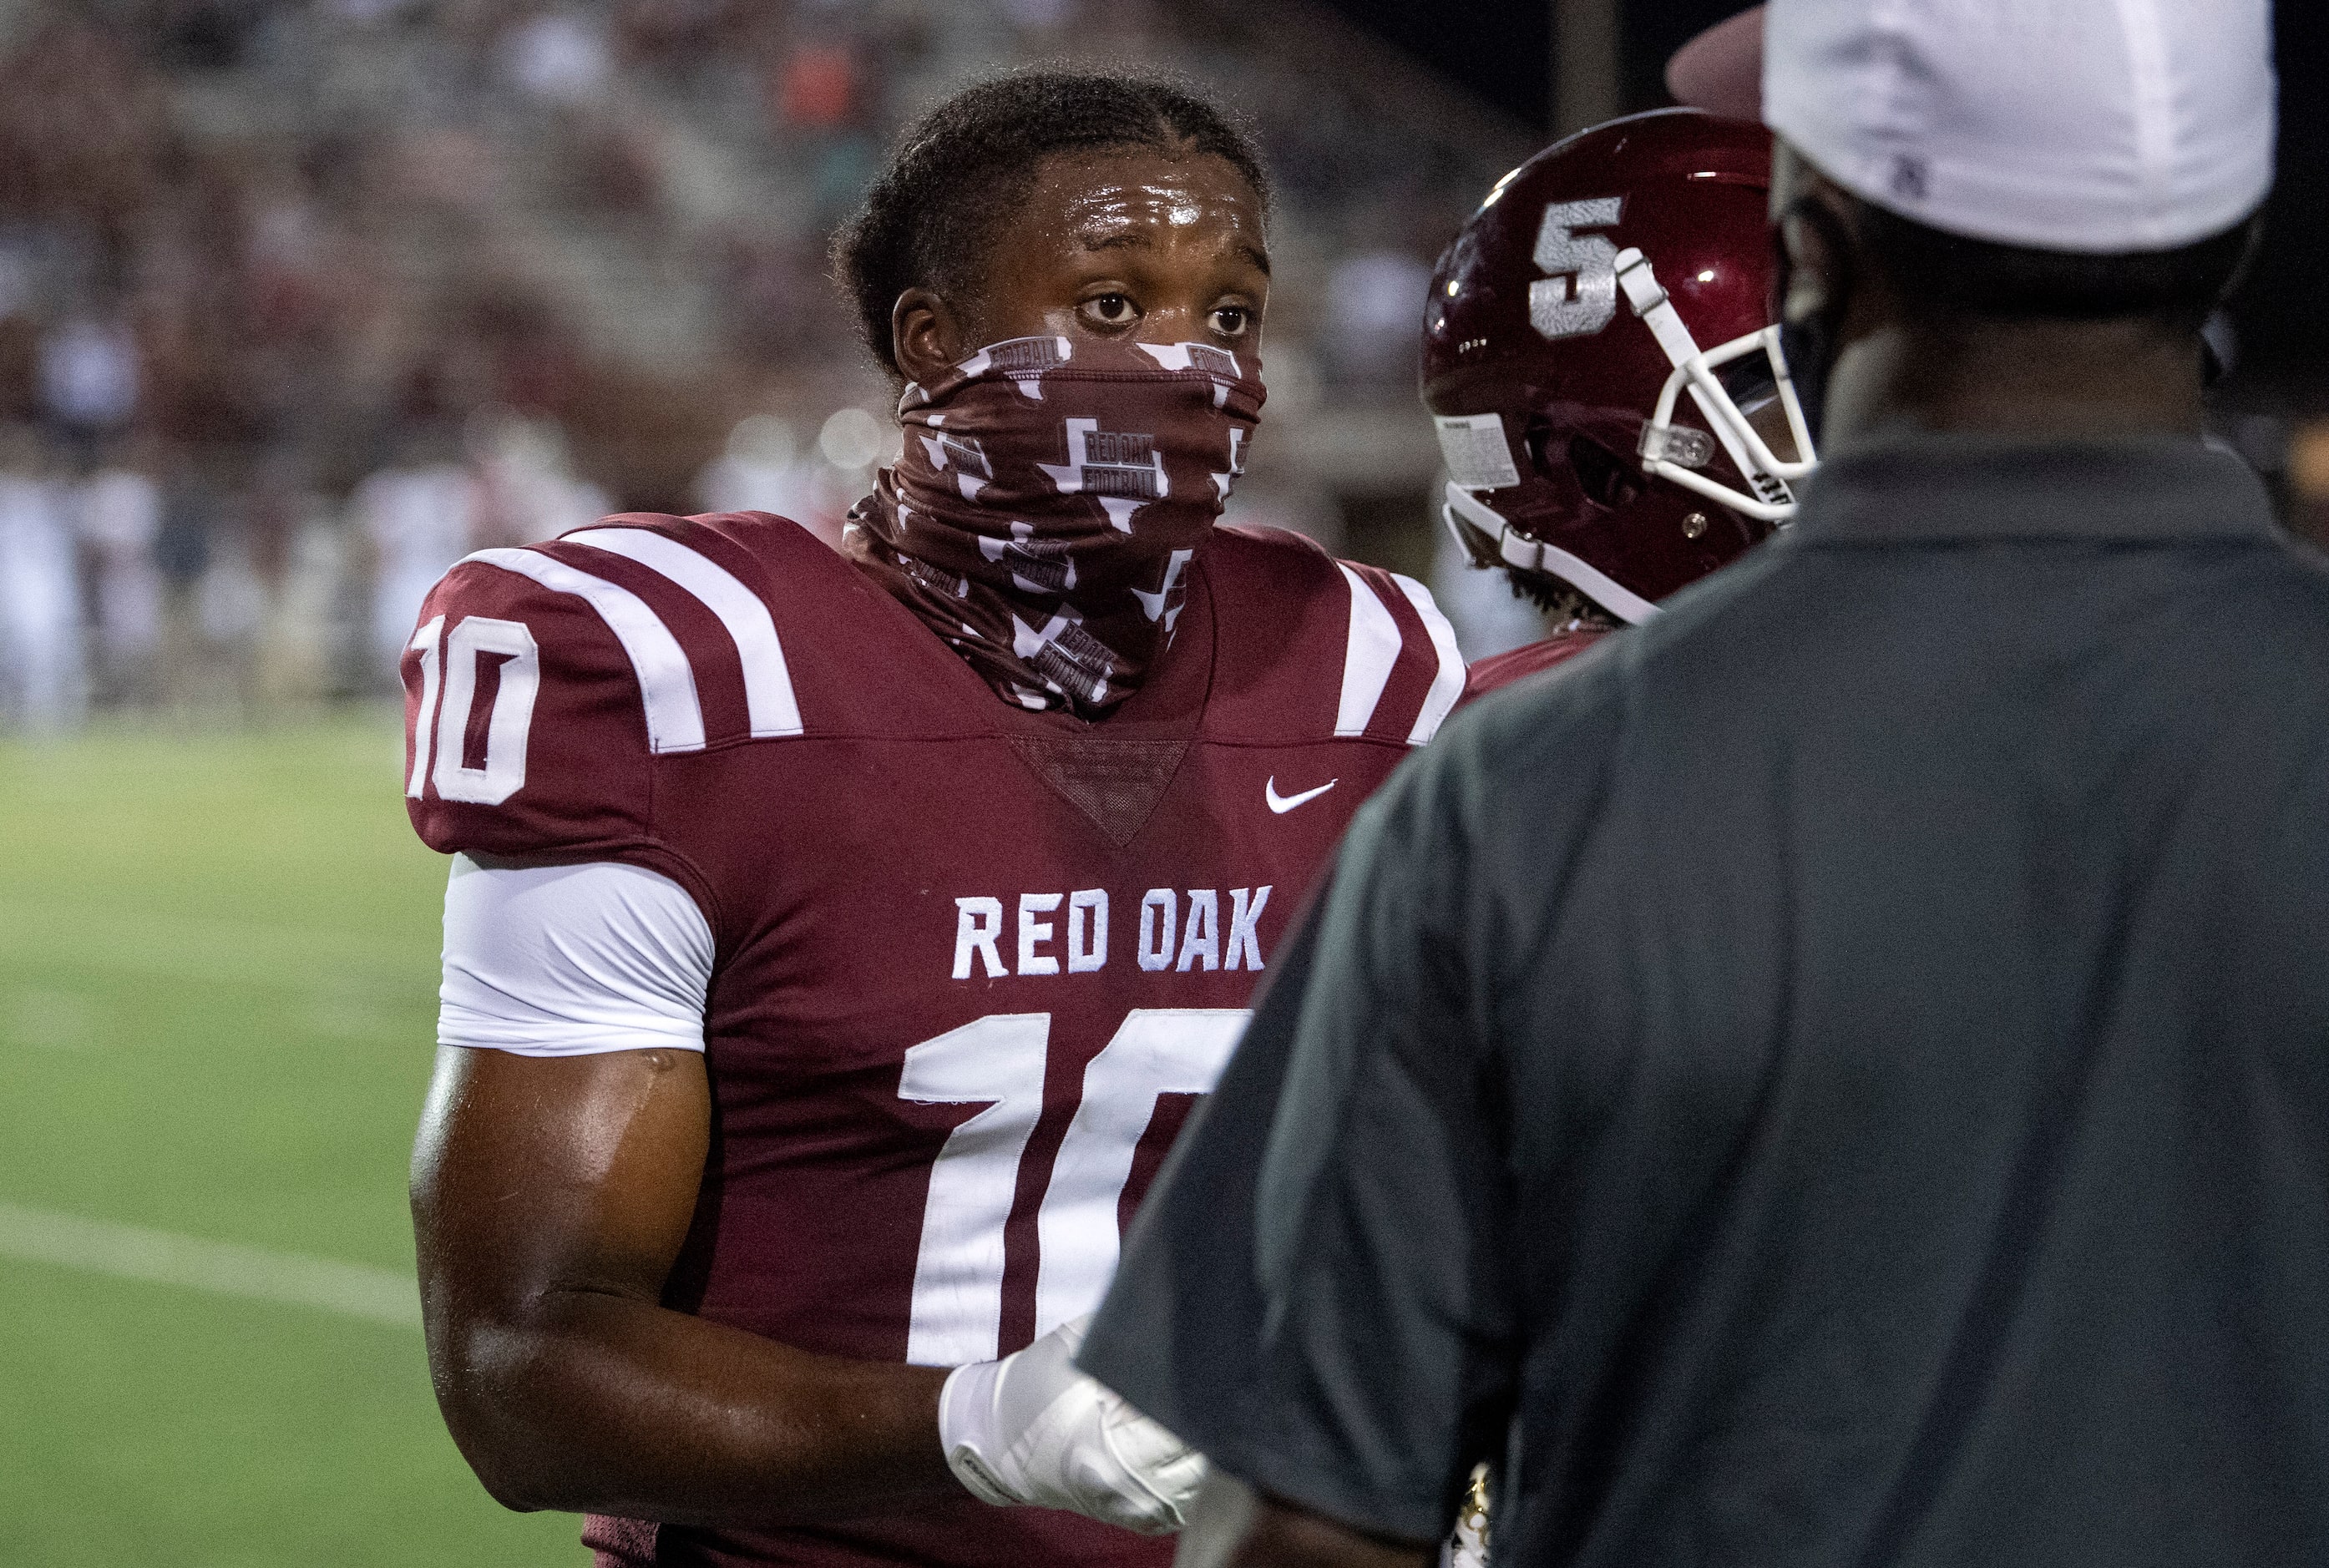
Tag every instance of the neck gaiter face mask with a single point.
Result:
(1047, 504)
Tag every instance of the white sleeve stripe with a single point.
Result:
(1367, 658)
(770, 705)
(1447, 685)
(471, 1029)
(666, 680)
(563, 961)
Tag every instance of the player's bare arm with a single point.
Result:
(549, 1197)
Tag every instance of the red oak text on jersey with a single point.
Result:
(973, 963)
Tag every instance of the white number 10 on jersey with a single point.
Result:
(958, 1311)
(503, 771)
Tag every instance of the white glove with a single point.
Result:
(1031, 1429)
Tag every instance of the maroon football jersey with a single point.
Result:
(973, 963)
(1500, 669)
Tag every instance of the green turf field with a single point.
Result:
(217, 981)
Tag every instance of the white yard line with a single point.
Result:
(130, 1251)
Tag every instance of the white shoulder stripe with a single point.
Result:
(666, 681)
(769, 700)
(1447, 685)
(1367, 658)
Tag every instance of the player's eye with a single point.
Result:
(1110, 310)
(1231, 321)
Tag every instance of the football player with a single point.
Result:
(1612, 399)
(837, 942)
(1566, 346)
(1617, 421)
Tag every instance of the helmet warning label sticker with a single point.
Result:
(1474, 447)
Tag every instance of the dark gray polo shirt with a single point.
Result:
(1837, 1076)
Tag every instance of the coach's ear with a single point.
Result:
(1812, 230)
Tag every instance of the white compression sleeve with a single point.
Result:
(566, 961)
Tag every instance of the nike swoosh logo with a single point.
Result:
(1282, 805)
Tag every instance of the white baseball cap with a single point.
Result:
(2091, 126)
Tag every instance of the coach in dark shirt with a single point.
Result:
(1839, 1075)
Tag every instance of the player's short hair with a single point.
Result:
(1980, 277)
(927, 220)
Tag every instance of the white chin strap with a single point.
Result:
(1674, 453)
(1530, 555)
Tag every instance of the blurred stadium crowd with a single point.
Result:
(302, 300)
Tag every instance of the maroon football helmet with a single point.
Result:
(1598, 351)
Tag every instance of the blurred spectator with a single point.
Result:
(82, 126)
(676, 32)
(1303, 509)
(854, 439)
(780, 307)
(17, 281)
(816, 87)
(231, 609)
(368, 11)
(526, 490)
(851, 444)
(43, 686)
(269, 237)
(88, 377)
(1040, 15)
(207, 35)
(419, 514)
(307, 645)
(1374, 303)
(1487, 615)
(299, 558)
(761, 470)
(119, 514)
(558, 55)
(183, 547)
(845, 168)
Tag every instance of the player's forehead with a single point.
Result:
(1139, 200)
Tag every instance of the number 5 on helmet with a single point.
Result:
(1599, 355)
